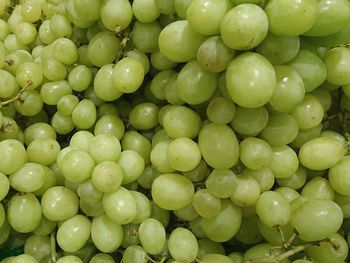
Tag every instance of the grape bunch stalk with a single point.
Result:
(174, 131)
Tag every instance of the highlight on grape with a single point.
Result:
(174, 131)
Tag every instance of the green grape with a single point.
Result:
(288, 193)
(81, 140)
(225, 225)
(107, 176)
(24, 258)
(206, 246)
(311, 69)
(335, 11)
(336, 64)
(248, 232)
(37, 246)
(183, 245)
(4, 30)
(273, 209)
(221, 183)
(147, 177)
(38, 130)
(134, 254)
(263, 250)
(103, 48)
(289, 91)
(145, 36)
(4, 186)
(183, 154)
(279, 49)
(220, 110)
(59, 203)
(53, 69)
(130, 235)
(29, 75)
(49, 181)
(25, 33)
(43, 151)
(178, 42)
(144, 116)
(87, 9)
(95, 209)
(318, 188)
(296, 181)
(159, 82)
(135, 141)
(152, 236)
(179, 191)
(60, 25)
(103, 84)
(165, 7)
(105, 147)
(12, 156)
(317, 219)
(83, 55)
(84, 114)
(102, 258)
(250, 122)
(324, 97)
(51, 92)
(326, 152)
(181, 121)
(62, 124)
(128, 75)
(10, 130)
(187, 213)
(120, 206)
(196, 228)
(161, 62)
(132, 165)
(67, 103)
(205, 17)
(236, 257)
(297, 16)
(338, 176)
(306, 135)
(110, 124)
(116, 15)
(30, 104)
(206, 204)
(284, 162)
(10, 87)
(107, 108)
(255, 153)
(65, 51)
(69, 259)
(31, 10)
(246, 192)
(343, 202)
(199, 173)
(248, 18)
(106, 234)
(16, 58)
(194, 85)
(264, 177)
(274, 234)
(251, 80)
(145, 10)
(143, 207)
(309, 113)
(87, 191)
(24, 212)
(218, 145)
(181, 7)
(29, 178)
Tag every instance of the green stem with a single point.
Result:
(53, 247)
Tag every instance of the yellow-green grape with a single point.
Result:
(31, 10)
(116, 15)
(183, 245)
(145, 10)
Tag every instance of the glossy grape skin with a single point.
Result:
(338, 176)
(12, 156)
(152, 236)
(336, 60)
(183, 245)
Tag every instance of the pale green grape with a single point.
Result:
(152, 236)
(132, 165)
(51, 92)
(296, 181)
(291, 17)
(67, 103)
(255, 153)
(24, 258)
(103, 84)
(105, 147)
(83, 55)
(279, 49)
(317, 219)
(69, 259)
(106, 109)
(145, 36)
(49, 181)
(16, 58)
(199, 173)
(205, 17)
(220, 110)
(106, 235)
(29, 178)
(172, 191)
(246, 192)
(102, 258)
(4, 186)
(207, 246)
(181, 121)
(37, 246)
(183, 154)
(194, 85)
(73, 234)
(128, 75)
(53, 69)
(134, 254)
(120, 206)
(144, 116)
(250, 122)
(43, 151)
(25, 33)
(318, 188)
(248, 18)
(59, 203)
(12, 156)
(326, 152)
(29, 75)
(181, 7)
(338, 176)
(65, 51)
(62, 124)
(84, 114)
(87, 192)
(336, 61)
(95, 209)
(103, 48)
(218, 145)
(225, 225)
(143, 207)
(248, 232)
(161, 62)
(135, 141)
(60, 25)
(165, 7)
(284, 162)
(289, 91)
(38, 130)
(178, 42)
(4, 30)
(31, 10)
(159, 82)
(10, 130)
(30, 105)
(187, 213)
(221, 183)
(306, 135)
(288, 193)
(309, 113)
(10, 87)
(264, 177)
(183, 245)
(236, 257)
(87, 9)
(335, 11)
(206, 204)
(110, 124)
(273, 234)
(251, 80)
(24, 212)
(273, 209)
(116, 15)
(107, 176)
(324, 97)
(145, 10)
(310, 67)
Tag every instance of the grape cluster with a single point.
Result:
(174, 131)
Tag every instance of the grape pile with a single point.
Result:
(174, 131)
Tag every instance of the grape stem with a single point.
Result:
(17, 97)
(53, 247)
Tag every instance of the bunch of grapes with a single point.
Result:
(174, 131)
